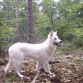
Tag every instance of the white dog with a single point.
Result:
(41, 53)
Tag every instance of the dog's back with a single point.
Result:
(34, 51)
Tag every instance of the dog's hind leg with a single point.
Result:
(9, 65)
(17, 69)
(19, 59)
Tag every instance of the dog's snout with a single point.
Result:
(61, 41)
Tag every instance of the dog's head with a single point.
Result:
(54, 39)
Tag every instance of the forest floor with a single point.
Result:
(67, 65)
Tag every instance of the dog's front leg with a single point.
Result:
(38, 66)
(47, 69)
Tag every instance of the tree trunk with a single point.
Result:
(19, 31)
(0, 50)
(30, 23)
(7, 5)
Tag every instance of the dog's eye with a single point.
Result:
(54, 38)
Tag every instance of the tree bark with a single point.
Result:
(30, 23)
(7, 5)
(19, 29)
(0, 50)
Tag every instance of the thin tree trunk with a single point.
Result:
(0, 50)
(19, 33)
(7, 5)
(30, 23)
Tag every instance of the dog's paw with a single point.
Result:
(33, 81)
(52, 75)
(5, 70)
(21, 76)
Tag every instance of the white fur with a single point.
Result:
(41, 53)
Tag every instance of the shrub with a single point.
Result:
(6, 33)
(78, 41)
(70, 36)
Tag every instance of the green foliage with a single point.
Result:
(67, 46)
(65, 16)
(78, 41)
(11, 79)
(6, 33)
(41, 27)
(70, 37)
(79, 62)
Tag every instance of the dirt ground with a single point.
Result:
(67, 66)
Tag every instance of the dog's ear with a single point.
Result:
(51, 34)
(56, 32)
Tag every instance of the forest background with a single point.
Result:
(31, 21)
(65, 16)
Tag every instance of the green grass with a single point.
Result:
(67, 47)
(11, 79)
(79, 62)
